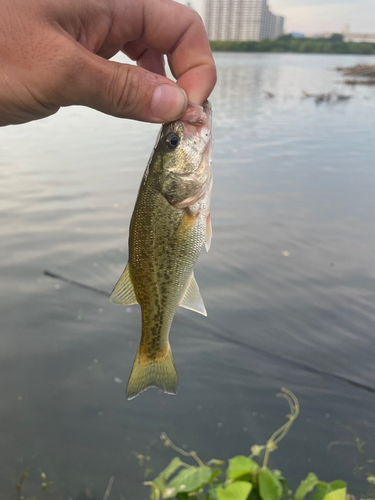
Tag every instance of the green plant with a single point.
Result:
(368, 467)
(365, 466)
(45, 485)
(245, 477)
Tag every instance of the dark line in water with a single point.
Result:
(238, 342)
(297, 364)
(76, 283)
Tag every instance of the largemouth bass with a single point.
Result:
(170, 223)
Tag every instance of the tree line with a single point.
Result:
(287, 43)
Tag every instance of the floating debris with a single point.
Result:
(328, 97)
(365, 70)
(342, 97)
(323, 98)
(360, 82)
(364, 73)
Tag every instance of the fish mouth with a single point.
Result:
(198, 115)
(197, 120)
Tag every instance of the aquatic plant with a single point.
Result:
(245, 477)
(45, 485)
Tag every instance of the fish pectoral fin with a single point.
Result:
(207, 241)
(158, 371)
(124, 293)
(192, 298)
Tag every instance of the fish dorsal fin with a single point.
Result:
(123, 293)
(192, 298)
(207, 241)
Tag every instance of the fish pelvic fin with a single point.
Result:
(124, 293)
(158, 371)
(192, 298)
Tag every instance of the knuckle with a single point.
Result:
(124, 89)
(193, 18)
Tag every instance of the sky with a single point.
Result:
(320, 16)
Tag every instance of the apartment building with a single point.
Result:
(241, 20)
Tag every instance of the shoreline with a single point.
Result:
(288, 44)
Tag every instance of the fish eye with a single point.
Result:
(172, 141)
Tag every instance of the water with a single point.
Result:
(290, 278)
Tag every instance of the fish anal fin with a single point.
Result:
(192, 298)
(124, 293)
(207, 241)
(158, 371)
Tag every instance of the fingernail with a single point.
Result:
(168, 102)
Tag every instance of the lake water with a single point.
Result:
(289, 286)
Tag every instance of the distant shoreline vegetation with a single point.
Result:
(287, 43)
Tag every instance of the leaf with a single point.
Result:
(269, 486)
(322, 489)
(278, 474)
(157, 486)
(212, 494)
(214, 461)
(338, 485)
(191, 479)
(160, 482)
(185, 496)
(239, 466)
(306, 486)
(339, 494)
(215, 473)
(171, 468)
(239, 490)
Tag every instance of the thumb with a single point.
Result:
(125, 91)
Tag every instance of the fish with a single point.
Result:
(170, 224)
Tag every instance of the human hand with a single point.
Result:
(54, 53)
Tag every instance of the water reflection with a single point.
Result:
(290, 274)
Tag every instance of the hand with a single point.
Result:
(54, 53)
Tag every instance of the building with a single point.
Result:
(241, 20)
(348, 36)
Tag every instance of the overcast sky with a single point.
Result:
(316, 16)
(319, 16)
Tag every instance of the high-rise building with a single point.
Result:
(241, 20)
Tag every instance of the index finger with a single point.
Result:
(178, 31)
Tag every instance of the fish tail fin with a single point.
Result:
(148, 372)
